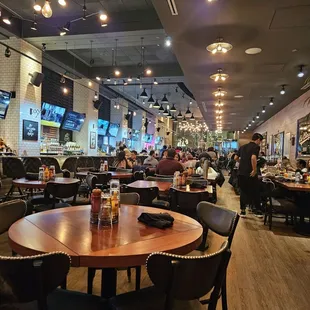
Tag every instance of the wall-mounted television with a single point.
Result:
(113, 129)
(159, 140)
(5, 98)
(52, 115)
(102, 127)
(148, 138)
(135, 135)
(73, 121)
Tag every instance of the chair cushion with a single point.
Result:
(283, 205)
(67, 300)
(161, 204)
(149, 299)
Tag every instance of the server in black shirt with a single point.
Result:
(248, 179)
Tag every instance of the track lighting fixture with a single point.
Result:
(173, 109)
(98, 78)
(219, 76)
(36, 6)
(125, 82)
(43, 48)
(96, 95)
(156, 105)
(155, 82)
(144, 95)
(108, 79)
(161, 109)
(62, 32)
(138, 78)
(47, 11)
(7, 52)
(250, 125)
(168, 41)
(253, 120)
(257, 115)
(301, 71)
(264, 109)
(282, 92)
(7, 20)
(271, 101)
(62, 2)
(151, 99)
(219, 46)
(165, 99)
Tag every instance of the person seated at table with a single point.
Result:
(151, 160)
(301, 166)
(164, 154)
(121, 161)
(134, 159)
(168, 166)
(177, 157)
(3, 146)
(190, 162)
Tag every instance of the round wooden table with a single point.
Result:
(24, 183)
(127, 243)
(115, 174)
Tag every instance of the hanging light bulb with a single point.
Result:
(65, 90)
(62, 2)
(36, 7)
(148, 71)
(282, 92)
(271, 101)
(117, 72)
(144, 95)
(103, 16)
(47, 10)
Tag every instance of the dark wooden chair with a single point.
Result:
(32, 164)
(138, 175)
(31, 283)
(179, 281)
(51, 161)
(59, 191)
(84, 163)
(278, 207)
(70, 164)
(224, 223)
(148, 196)
(98, 180)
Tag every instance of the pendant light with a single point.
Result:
(34, 23)
(282, 91)
(62, 2)
(169, 115)
(180, 115)
(301, 71)
(219, 76)
(67, 26)
(219, 47)
(165, 99)
(264, 109)
(47, 11)
(257, 115)
(175, 120)
(36, 7)
(184, 119)
(156, 105)
(165, 112)
(144, 95)
(271, 101)
(192, 118)
(219, 92)
(173, 109)
(151, 99)
(188, 112)
(161, 109)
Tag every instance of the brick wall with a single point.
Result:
(286, 120)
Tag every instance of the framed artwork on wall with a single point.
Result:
(278, 144)
(30, 130)
(263, 146)
(92, 143)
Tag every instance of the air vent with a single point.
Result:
(173, 7)
(307, 84)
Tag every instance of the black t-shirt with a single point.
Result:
(245, 153)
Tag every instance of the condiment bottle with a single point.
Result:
(105, 216)
(95, 205)
(46, 174)
(115, 207)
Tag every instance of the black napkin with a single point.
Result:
(159, 220)
(32, 176)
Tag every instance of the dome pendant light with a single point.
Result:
(188, 112)
(184, 119)
(156, 105)
(165, 99)
(161, 109)
(219, 47)
(151, 100)
(144, 95)
(180, 115)
(173, 109)
(169, 115)
(47, 11)
(166, 112)
(192, 118)
(219, 76)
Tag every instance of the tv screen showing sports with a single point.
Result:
(5, 98)
(148, 138)
(52, 115)
(113, 129)
(102, 127)
(73, 121)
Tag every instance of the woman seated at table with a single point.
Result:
(301, 166)
(190, 162)
(121, 161)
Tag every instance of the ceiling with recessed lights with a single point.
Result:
(279, 28)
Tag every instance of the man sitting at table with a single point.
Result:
(301, 166)
(151, 160)
(169, 165)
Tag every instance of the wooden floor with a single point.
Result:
(268, 270)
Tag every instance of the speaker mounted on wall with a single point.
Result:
(36, 78)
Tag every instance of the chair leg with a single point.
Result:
(64, 284)
(129, 274)
(138, 277)
(270, 220)
(14, 253)
(203, 246)
(90, 278)
(224, 295)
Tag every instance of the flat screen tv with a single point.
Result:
(135, 135)
(5, 98)
(52, 115)
(102, 127)
(158, 140)
(113, 129)
(73, 121)
(148, 138)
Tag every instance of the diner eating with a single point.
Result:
(154, 155)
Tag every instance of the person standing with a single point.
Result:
(248, 177)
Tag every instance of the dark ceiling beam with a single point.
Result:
(118, 22)
(171, 69)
